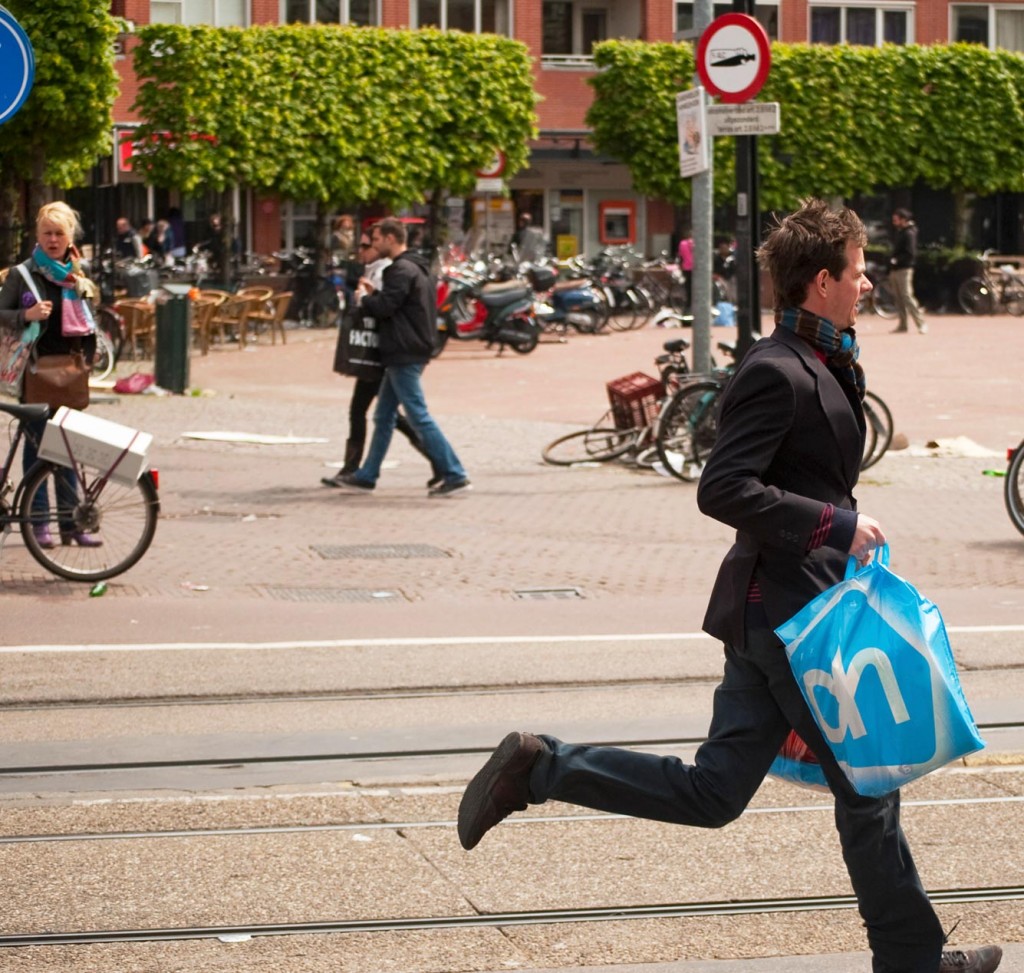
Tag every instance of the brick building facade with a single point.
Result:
(580, 199)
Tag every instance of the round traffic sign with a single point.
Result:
(495, 167)
(17, 66)
(734, 57)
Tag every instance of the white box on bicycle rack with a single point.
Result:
(99, 444)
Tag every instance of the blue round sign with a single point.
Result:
(17, 66)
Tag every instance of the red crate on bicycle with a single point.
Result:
(635, 399)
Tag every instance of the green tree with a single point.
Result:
(854, 119)
(65, 123)
(340, 115)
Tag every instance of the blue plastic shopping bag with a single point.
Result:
(873, 661)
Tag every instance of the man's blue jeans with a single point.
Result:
(401, 387)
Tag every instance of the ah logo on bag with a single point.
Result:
(873, 661)
(867, 680)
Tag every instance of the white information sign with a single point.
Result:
(691, 119)
(749, 118)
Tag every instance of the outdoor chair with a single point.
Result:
(272, 313)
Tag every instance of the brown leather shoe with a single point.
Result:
(500, 787)
(982, 960)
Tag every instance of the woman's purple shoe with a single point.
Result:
(43, 537)
(81, 538)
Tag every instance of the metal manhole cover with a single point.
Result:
(338, 552)
(548, 594)
(378, 595)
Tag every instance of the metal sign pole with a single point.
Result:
(702, 205)
(748, 230)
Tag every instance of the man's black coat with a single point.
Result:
(790, 441)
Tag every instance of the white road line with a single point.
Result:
(455, 640)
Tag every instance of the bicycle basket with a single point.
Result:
(634, 400)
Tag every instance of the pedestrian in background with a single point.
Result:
(405, 309)
(127, 243)
(901, 273)
(366, 389)
(782, 473)
(685, 255)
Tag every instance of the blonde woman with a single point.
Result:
(63, 311)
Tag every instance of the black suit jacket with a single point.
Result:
(790, 441)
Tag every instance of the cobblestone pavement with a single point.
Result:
(250, 541)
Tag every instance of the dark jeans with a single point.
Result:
(755, 706)
(65, 479)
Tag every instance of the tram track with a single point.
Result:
(348, 756)
(615, 913)
(519, 821)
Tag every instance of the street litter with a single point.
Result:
(960, 446)
(260, 439)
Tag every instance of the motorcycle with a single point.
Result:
(471, 309)
(564, 303)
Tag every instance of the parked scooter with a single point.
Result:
(561, 304)
(471, 309)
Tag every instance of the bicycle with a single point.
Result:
(1013, 487)
(687, 426)
(628, 426)
(123, 515)
(880, 299)
(878, 420)
(995, 288)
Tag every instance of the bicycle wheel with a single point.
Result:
(977, 296)
(678, 298)
(1013, 298)
(623, 311)
(1013, 488)
(598, 444)
(880, 429)
(644, 304)
(882, 300)
(122, 516)
(112, 324)
(103, 362)
(687, 429)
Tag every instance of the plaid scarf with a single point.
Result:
(75, 317)
(840, 348)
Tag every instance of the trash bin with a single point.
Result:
(173, 336)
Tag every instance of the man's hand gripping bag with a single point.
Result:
(872, 659)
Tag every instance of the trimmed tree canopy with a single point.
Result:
(853, 119)
(348, 114)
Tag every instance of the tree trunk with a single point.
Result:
(961, 218)
(11, 226)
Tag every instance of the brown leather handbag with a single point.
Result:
(58, 380)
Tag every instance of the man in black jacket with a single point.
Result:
(901, 273)
(782, 473)
(405, 309)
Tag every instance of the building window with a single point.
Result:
(215, 13)
(362, 13)
(866, 26)
(470, 16)
(557, 37)
(990, 26)
(767, 15)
